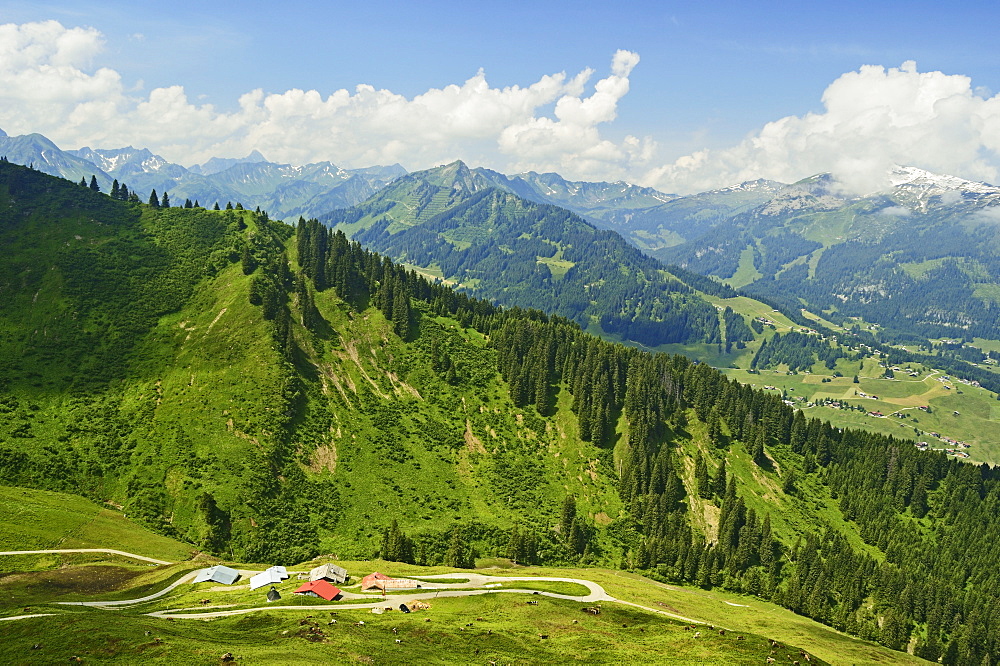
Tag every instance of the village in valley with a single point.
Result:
(861, 388)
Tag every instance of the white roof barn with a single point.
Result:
(269, 577)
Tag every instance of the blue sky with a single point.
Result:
(709, 75)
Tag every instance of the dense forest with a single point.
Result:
(503, 248)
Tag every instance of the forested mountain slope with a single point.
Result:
(272, 393)
(453, 222)
(919, 259)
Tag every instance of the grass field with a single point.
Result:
(503, 627)
(975, 423)
(42, 520)
(494, 628)
(499, 626)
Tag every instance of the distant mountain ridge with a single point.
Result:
(283, 190)
(919, 258)
(287, 191)
(470, 228)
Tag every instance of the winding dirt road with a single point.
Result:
(472, 584)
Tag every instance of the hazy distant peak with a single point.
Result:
(219, 164)
(758, 185)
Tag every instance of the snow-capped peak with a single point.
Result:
(902, 176)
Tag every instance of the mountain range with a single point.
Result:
(288, 191)
(468, 227)
(284, 190)
(919, 258)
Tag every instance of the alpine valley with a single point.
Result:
(743, 414)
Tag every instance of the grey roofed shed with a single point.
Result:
(218, 574)
(329, 572)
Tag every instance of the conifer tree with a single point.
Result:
(165, 201)
(719, 486)
(702, 481)
(459, 555)
(567, 516)
(401, 311)
(154, 200)
(93, 184)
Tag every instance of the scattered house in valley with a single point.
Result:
(318, 588)
(330, 572)
(217, 574)
(378, 581)
(269, 577)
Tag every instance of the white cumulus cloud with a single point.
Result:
(873, 119)
(47, 86)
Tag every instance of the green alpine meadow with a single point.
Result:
(184, 387)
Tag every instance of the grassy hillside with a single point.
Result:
(269, 394)
(187, 405)
(500, 626)
(42, 520)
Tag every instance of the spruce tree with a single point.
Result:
(154, 200)
(702, 481)
(459, 555)
(165, 201)
(568, 514)
(93, 184)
